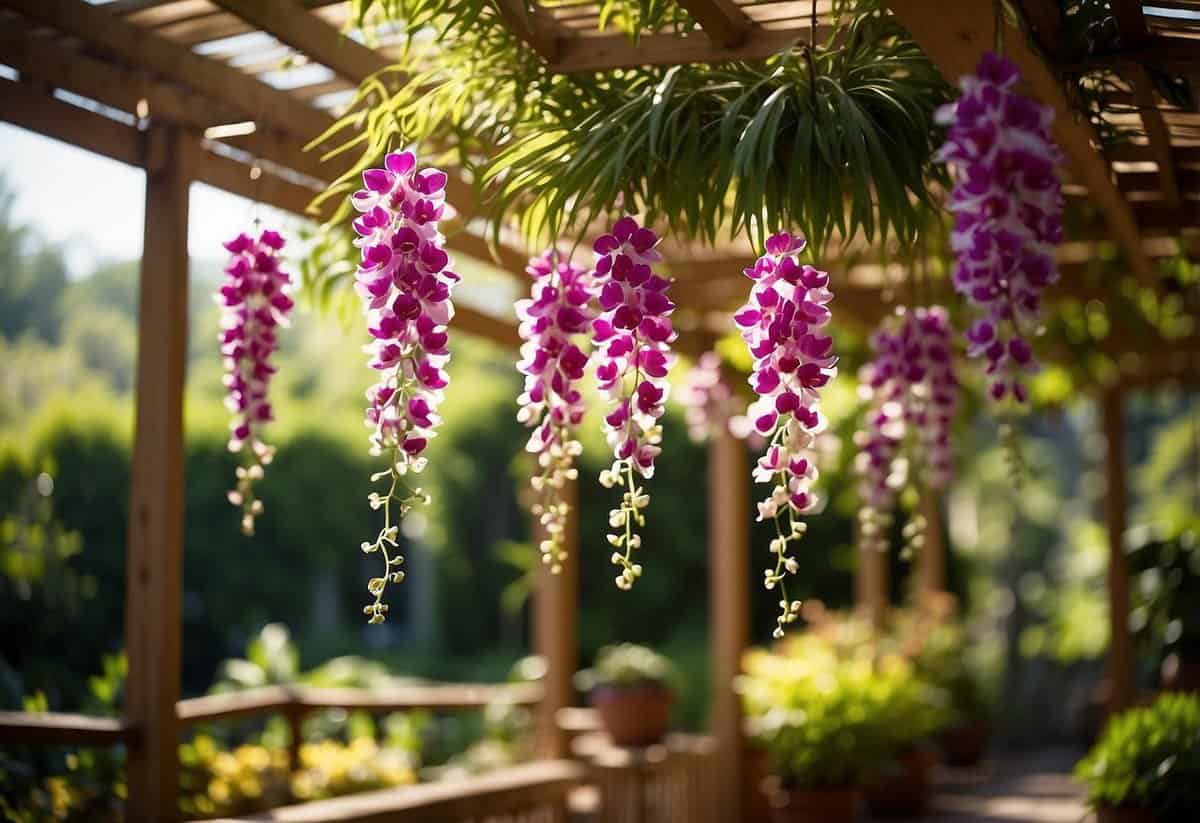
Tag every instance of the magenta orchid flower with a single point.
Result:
(633, 336)
(914, 393)
(552, 322)
(1007, 203)
(254, 304)
(405, 281)
(782, 325)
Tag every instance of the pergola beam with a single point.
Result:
(1131, 22)
(955, 35)
(292, 24)
(145, 49)
(1121, 687)
(531, 27)
(30, 109)
(726, 25)
(591, 54)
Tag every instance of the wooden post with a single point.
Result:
(931, 559)
(729, 612)
(1120, 654)
(872, 584)
(555, 629)
(154, 577)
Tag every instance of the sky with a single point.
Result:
(93, 207)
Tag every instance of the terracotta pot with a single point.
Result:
(757, 785)
(830, 805)
(633, 715)
(905, 790)
(964, 745)
(1124, 815)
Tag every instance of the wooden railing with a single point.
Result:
(58, 729)
(530, 793)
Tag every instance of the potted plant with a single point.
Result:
(944, 657)
(910, 711)
(815, 713)
(630, 687)
(1146, 766)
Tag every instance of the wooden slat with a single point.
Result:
(139, 47)
(1121, 662)
(443, 698)
(55, 729)
(154, 561)
(955, 35)
(588, 54)
(531, 27)
(448, 697)
(307, 33)
(726, 25)
(518, 789)
(729, 613)
(1131, 23)
(30, 109)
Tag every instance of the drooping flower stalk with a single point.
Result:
(254, 304)
(553, 363)
(707, 398)
(633, 335)
(1007, 202)
(782, 324)
(405, 281)
(913, 392)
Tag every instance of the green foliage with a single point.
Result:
(1149, 758)
(627, 664)
(1166, 612)
(832, 715)
(836, 138)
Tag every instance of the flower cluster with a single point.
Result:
(405, 280)
(1007, 203)
(254, 303)
(633, 335)
(781, 324)
(707, 398)
(553, 363)
(913, 394)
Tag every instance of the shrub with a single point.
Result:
(1149, 758)
(831, 715)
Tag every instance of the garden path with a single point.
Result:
(1034, 787)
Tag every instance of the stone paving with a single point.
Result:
(1023, 788)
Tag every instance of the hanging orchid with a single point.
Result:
(254, 304)
(553, 363)
(913, 392)
(405, 281)
(633, 335)
(1007, 202)
(793, 360)
(709, 402)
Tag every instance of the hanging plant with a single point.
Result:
(781, 324)
(254, 303)
(708, 400)
(405, 281)
(913, 394)
(1007, 204)
(835, 137)
(633, 336)
(551, 323)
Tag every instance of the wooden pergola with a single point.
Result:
(157, 84)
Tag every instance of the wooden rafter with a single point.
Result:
(588, 54)
(145, 49)
(26, 107)
(955, 35)
(726, 25)
(1134, 34)
(290, 23)
(541, 34)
